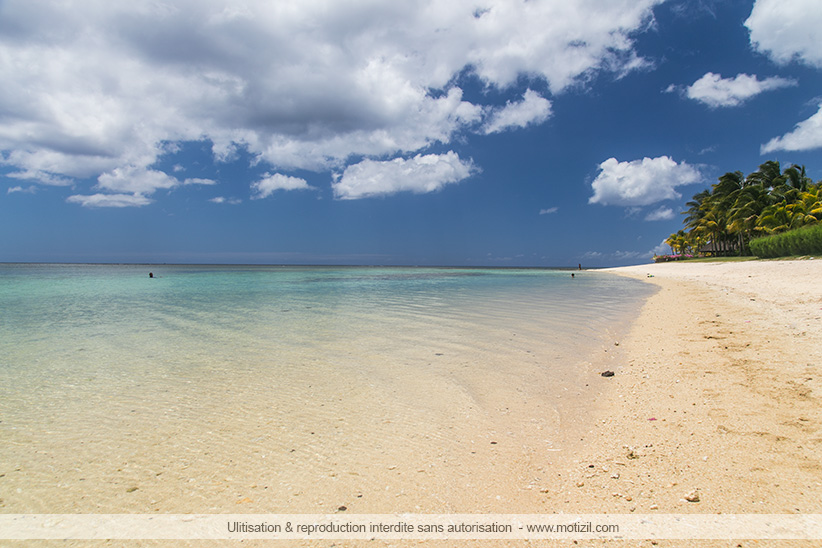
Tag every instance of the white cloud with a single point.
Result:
(619, 257)
(224, 200)
(269, 184)
(135, 180)
(661, 214)
(595, 258)
(641, 182)
(29, 190)
(548, 211)
(661, 249)
(198, 181)
(41, 177)
(715, 91)
(558, 40)
(109, 200)
(787, 29)
(97, 87)
(126, 187)
(806, 136)
(625, 255)
(533, 109)
(420, 174)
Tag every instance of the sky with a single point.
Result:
(422, 132)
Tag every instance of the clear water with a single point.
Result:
(109, 378)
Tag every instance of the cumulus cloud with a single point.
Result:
(41, 177)
(533, 109)
(787, 30)
(807, 135)
(198, 181)
(661, 249)
(129, 186)
(101, 87)
(715, 91)
(109, 200)
(420, 175)
(619, 257)
(269, 184)
(661, 214)
(135, 180)
(29, 190)
(641, 182)
(598, 257)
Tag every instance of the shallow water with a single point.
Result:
(293, 389)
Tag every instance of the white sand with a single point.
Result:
(717, 391)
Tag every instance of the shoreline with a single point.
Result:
(715, 399)
(714, 408)
(457, 404)
(715, 405)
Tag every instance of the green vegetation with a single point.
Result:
(802, 241)
(727, 219)
(721, 259)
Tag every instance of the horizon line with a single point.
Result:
(301, 265)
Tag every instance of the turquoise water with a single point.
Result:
(99, 365)
(57, 318)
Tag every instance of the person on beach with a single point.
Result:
(151, 274)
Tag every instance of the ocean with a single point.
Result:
(296, 389)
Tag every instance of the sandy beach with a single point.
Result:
(714, 407)
(716, 398)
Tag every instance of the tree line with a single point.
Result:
(724, 219)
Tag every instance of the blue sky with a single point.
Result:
(499, 132)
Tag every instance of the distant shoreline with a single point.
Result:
(306, 265)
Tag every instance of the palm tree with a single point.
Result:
(795, 177)
(724, 196)
(736, 208)
(768, 175)
(783, 217)
(711, 228)
(671, 241)
(695, 212)
(812, 201)
(748, 205)
(729, 183)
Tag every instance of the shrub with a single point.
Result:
(668, 258)
(803, 241)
